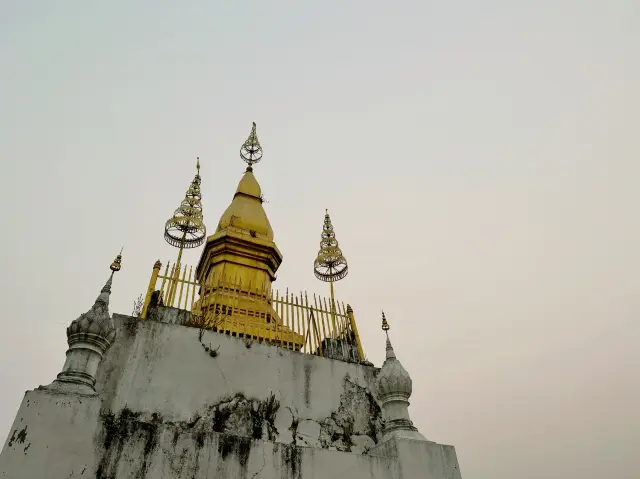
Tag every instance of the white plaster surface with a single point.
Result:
(52, 437)
(164, 368)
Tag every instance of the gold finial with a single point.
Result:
(330, 265)
(185, 229)
(251, 151)
(385, 325)
(117, 263)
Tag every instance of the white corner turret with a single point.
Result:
(89, 337)
(394, 388)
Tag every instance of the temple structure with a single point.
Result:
(216, 374)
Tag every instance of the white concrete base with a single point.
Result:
(419, 459)
(52, 436)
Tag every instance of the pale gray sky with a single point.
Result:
(479, 159)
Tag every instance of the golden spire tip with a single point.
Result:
(198, 163)
(251, 151)
(117, 263)
(385, 325)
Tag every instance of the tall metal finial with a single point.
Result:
(117, 263)
(185, 229)
(251, 151)
(330, 265)
(385, 325)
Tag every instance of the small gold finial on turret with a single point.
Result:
(117, 263)
(385, 325)
(198, 164)
(251, 151)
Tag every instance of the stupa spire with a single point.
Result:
(245, 214)
(243, 256)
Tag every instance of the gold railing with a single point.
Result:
(298, 322)
(174, 284)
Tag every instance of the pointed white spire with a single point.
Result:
(105, 292)
(390, 352)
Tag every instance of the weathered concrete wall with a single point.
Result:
(249, 389)
(178, 402)
(67, 436)
(133, 447)
(52, 436)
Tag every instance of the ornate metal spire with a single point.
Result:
(385, 325)
(185, 229)
(117, 263)
(251, 151)
(330, 265)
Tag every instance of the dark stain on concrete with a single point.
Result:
(18, 437)
(291, 459)
(307, 384)
(237, 418)
(239, 446)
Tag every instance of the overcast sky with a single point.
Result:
(480, 160)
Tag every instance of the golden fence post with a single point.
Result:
(299, 317)
(288, 322)
(167, 294)
(164, 279)
(175, 281)
(354, 328)
(151, 288)
(347, 326)
(321, 324)
(274, 318)
(186, 294)
(303, 331)
(193, 290)
(315, 327)
(331, 319)
(341, 322)
(184, 277)
(236, 306)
